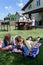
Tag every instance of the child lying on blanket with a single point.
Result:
(24, 45)
(8, 43)
(20, 45)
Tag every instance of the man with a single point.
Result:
(33, 21)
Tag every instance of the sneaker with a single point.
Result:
(29, 38)
(39, 38)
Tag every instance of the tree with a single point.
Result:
(11, 16)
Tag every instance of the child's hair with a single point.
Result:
(7, 37)
(19, 39)
(23, 41)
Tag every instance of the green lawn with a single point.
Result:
(8, 58)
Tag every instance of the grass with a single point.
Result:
(8, 58)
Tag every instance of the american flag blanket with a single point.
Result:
(35, 50)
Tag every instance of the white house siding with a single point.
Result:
(38, 16)
(41, 3)
(34, 5)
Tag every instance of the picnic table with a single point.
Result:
(22, 25)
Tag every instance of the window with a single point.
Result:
(30, 7)
(38, 2)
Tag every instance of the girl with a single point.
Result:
(23, 45)
(7, 42)
(20, 45)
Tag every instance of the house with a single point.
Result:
(34, 8)
(18, 15)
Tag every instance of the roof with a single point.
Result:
(34, 11)
(20, 13)
(27, 4)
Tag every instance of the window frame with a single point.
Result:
(38, 3)
(30, 6)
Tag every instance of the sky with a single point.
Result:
(11, 6)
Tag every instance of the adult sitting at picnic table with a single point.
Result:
(22, 21)
(29, 23)
(33, 21)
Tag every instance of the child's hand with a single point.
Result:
(10, 46)
(17, 51)
(7, 47)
